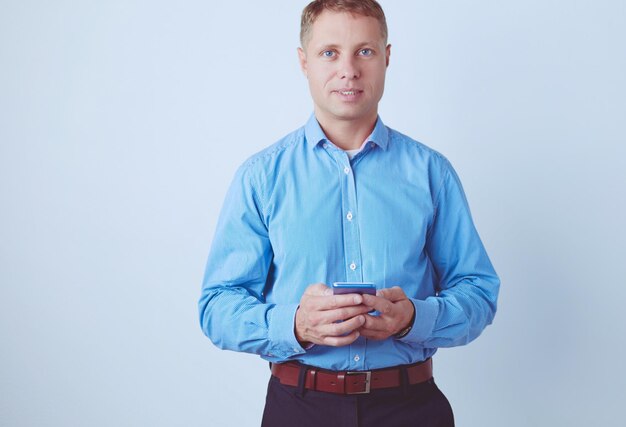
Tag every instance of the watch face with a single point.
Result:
(404, 332)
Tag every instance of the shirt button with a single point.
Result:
(346, 170)
(353, 266)
(357, 358)
(325, 145)
(349, 216)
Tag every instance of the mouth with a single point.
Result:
(349, 94)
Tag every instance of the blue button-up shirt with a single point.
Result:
(302, 212)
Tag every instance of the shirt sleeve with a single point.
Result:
(465, 302)
(232, 307)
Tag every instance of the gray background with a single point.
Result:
(122, 123)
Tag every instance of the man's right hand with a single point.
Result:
(327, 319)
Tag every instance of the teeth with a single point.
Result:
(351, 92)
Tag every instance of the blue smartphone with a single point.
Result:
(340, 288)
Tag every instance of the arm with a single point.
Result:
(468, 286)
(232, 307)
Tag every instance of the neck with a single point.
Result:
(347, 134)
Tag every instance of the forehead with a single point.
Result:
(343, 28)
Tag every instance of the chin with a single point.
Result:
(353, 115)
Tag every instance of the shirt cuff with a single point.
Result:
(281, 331)
(426, 312)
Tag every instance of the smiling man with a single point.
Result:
(344, 58)
(347, 199)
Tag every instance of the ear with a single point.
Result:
(387, 54)
(302, 59)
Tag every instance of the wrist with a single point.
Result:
(297, 333)
(405, 331)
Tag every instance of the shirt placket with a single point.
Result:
(352, 242)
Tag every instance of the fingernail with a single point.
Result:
(328, 291)
(358, 299)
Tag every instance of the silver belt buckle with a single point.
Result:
(368, 381)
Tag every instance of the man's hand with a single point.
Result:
(327, 319)
(396, 312)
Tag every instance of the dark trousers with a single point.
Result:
(419, 405)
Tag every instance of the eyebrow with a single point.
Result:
(336, 46)
(328, 46)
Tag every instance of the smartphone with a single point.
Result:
(340, 288)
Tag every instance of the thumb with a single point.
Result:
(392, 294)
(318, 289)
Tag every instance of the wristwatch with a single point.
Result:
(404, 332)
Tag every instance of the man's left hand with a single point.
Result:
(396, 312)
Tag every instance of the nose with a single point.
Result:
(349, 69)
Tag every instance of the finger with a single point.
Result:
(341, 341)
(392, 294)
(341, 328)
(375, 324)
(336, 301)
(382, 305)
(345, 313)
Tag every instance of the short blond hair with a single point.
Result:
(357, 7)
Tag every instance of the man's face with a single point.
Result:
(345, 61)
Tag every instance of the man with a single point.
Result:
(345, 198)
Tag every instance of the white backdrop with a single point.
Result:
(122, 123)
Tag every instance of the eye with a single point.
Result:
(328, 54)
(366, 52)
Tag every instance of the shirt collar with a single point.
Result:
(315, 135)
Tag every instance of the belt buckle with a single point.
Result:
(368, 380)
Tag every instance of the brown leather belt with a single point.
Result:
(351, 382)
